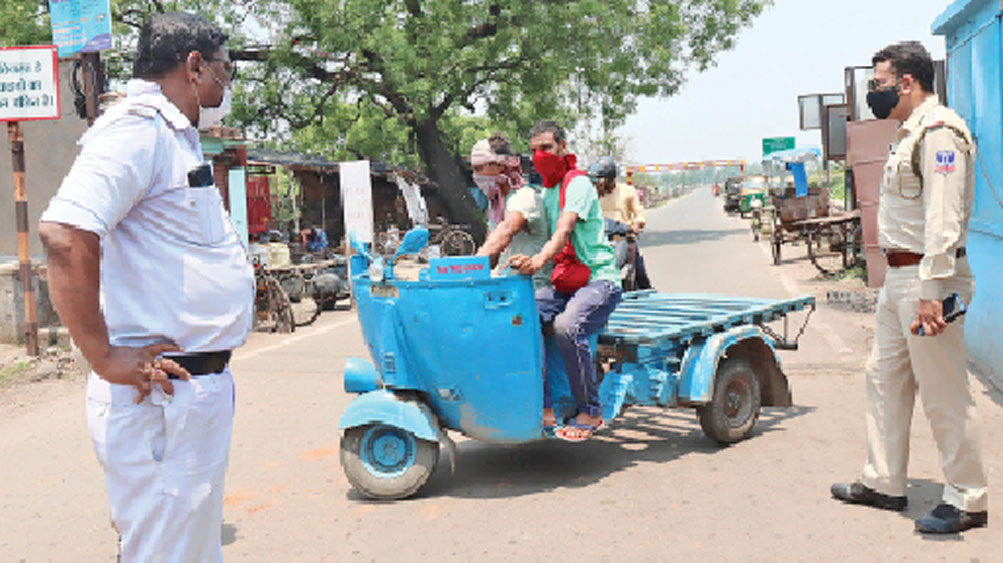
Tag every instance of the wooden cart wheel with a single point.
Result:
(458, 243)
(776, 240)
(280, 311)
(853, 249)
(825, 250)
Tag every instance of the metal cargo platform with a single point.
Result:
(648, 317)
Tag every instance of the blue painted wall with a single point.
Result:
(974, 39)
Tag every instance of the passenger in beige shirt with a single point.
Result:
(622, 204)
(926, 201)
(619, 202)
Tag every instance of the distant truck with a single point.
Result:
(732, 191)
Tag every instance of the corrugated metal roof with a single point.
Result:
(305, 161)
(290, 158)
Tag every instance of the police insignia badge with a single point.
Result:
(945, 162)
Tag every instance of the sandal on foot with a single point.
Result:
(549, 424)
(572, 431)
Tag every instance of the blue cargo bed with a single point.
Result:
(646, 317)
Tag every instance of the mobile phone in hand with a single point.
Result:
(953, 307)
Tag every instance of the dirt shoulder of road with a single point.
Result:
(26, 380)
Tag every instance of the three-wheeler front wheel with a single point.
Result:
(385, 462)
(734, 405)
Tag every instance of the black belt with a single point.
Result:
(899, 258)
(202, 363)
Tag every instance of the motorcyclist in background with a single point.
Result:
(623, 212)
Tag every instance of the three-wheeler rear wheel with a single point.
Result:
(734, 406)
(385, 462)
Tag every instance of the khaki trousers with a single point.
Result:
(899, 364)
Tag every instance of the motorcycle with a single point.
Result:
(624, 243)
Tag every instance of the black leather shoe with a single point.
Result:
(858, 493)
(948, 519)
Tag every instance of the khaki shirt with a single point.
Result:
(622, 204)
(928, 215)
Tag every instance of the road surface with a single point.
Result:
(649, 488)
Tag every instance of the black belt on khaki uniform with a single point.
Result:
(898, 258)
(201, 363)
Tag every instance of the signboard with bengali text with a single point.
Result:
(29, 83)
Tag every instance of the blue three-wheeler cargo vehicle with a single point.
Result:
(458, 349)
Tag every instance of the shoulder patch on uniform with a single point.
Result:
(945, 162)
(142, 111)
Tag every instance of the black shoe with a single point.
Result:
(947, 519)
(858, 493)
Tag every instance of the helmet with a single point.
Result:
(605, 167)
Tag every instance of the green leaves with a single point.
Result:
(24, 22)
(356, 78)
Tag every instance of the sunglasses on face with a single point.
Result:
(873, 85)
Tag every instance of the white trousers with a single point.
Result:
(900, 363)
(164, 461)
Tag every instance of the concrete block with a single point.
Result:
(12, 303)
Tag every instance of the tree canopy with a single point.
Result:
(417, 81)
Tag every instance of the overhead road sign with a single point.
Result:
(776, 144)
(675, 166)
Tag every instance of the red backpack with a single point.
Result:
(569, 273)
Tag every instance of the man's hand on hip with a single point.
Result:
(930, 316)
(141, 368)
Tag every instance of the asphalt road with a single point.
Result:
(649, 488)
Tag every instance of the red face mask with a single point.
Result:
(551, 167)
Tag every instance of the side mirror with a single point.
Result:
(414, 240)
(358, 245)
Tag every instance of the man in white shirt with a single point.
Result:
(521, 226)
(149, 276)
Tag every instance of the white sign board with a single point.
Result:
(29, 83)
(416, 209)
(357, 195)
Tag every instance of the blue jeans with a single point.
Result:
(575, 318)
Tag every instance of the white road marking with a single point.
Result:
(297, 338)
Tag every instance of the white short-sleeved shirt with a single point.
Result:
(172, 265)
(534, 234)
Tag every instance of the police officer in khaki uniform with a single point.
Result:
(926, 200)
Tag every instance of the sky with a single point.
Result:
(795, 47)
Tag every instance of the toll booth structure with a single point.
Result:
(973, 34)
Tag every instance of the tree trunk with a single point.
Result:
(444, 171)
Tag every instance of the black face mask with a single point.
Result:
(883, 101)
